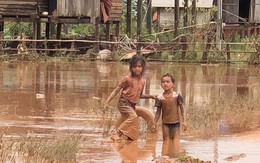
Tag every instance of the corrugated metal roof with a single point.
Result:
(170, 3)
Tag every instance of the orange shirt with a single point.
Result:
(132, 88)
(169, 107)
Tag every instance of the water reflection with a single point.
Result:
(170, 148)
(132, 151)
(128, 151)
(67, 87)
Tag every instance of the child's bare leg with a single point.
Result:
(166, 140)
(176, 143)
(165, 147)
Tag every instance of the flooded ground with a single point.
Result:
(55, 100)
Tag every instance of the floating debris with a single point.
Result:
(38, 95)
(235, 157)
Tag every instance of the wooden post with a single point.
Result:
(186, 12)
(194, 22)
(52, 29)
(252, 12)
(1, 31)
(208, 45)
(129, 18)
(139, 25)
(184, 47)
(228, 53)
(38, 29)
(58, 34)
(34, 33)
(194, 12)
(176, 18)
(185, 24)
(149, 16)
(255, 31)
(72, 47)
(158, 20)
(1, 27)
(248, 31)
(97, 36)
(108, 34)
(47, 30)
(46, 53)
(117, 35)
(219, 25)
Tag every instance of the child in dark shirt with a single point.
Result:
(170, 104)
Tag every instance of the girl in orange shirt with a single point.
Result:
(131, 87)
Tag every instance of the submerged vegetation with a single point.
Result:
(219, 116)
(226, 115)
(40, 150)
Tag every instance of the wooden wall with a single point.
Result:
(22, 8)
(256, 10)
(64, 8)
(233, 7)
(166, 17)
(116, 10)
(78, 8)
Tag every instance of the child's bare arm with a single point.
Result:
(112, 95)
(147, 96)
(183, 117)
(157, 114)
(156, 118)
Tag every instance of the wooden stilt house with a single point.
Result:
(239, 16)
(59, 12)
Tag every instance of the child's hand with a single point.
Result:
(106, 106)
(154, 128)
(184, 127)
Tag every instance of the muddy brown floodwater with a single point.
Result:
(49, 99)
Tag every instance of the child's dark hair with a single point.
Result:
(134, 60)
(170, 76)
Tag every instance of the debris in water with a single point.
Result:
(235, 157)
(38, 95)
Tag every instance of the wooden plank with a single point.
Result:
(117, 1)
(257, 11)
(118, 4)
(74, 8)
(14, 12)
(233, 7)
(17, 3)
(119, 12)
(116, 8)
(24, 0)
(23, 7)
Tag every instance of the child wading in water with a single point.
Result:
(131, 87)
(170, 104)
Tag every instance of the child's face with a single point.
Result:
(167, 83)
(137, 69)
